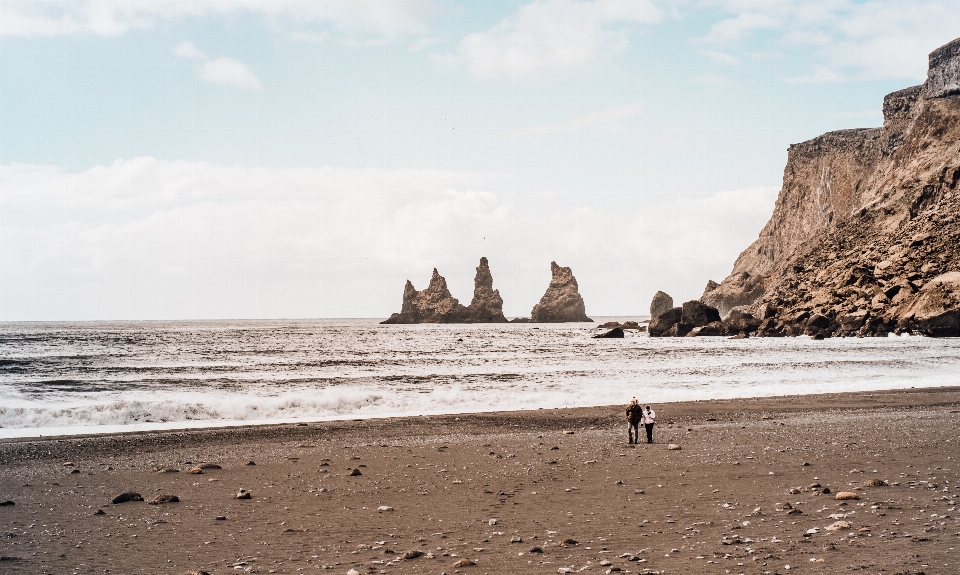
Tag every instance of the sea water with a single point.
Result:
(92, 377)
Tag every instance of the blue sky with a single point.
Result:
(302, 159)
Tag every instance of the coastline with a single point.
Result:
(641, 508)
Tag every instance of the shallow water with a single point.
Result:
(65, 378)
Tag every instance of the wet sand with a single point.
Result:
(499, 488)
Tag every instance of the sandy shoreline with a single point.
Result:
(444, 478)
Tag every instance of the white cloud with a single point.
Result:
(721, 57)
(146, 238)
(384, 18)
(230, 72)
(221, 71)
(186, 49)
(606, 119)
(551, 35)
(845, 39)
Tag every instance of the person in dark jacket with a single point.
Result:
(634, 415)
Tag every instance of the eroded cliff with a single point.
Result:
(865, 234)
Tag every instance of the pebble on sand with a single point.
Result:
(244, 494)
(837, 526)
(384, 508)
(847, 495)
(569, 543)
(355, 472)
(464, 563)
(7, 503)
(353, 572)
(161, 499)
(128, 496)
(197, 572)
(673, 447)
(412, 554)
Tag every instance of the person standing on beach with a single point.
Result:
(634, 415)
(649, 416)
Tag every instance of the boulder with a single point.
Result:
(935, 309)
(610, 325)
(666, 320)
(520, 320)
(561, 302)
(711, 329)
(161, 499)
(740, 321)
(630, 325)
(698, 313)
(661, 303)
(613, 333)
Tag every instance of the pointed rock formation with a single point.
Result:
(436, 305)
(562, 301)
(661, 302)
(487, 305)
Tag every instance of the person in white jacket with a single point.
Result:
(649, 416)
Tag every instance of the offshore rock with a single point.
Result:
(864, 239)
(693, 318)
(613, 333)
(561, 302)
(663, 322)
(436, 305)
(660, 303)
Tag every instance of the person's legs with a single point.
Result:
(633, 433)
(649, 427)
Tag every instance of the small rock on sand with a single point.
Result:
(874, 483)
(463, 563)
(846, 495)
(355, 472)
(536, 550)
(673, 447)
(7, 503)
(168, 470)
(199, 572)
(244, 494)
(206, 466)
(161, 499)
(412, 554)
(196, 471)
(128, 496)
(837, 526)
(353, 572)
(569, 543)
(99, 512)
(251, 462)
(384, 508)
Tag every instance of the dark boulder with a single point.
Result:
(698, 313)
(741, 321)
(613, 333)
(128, 496)
(664, 322)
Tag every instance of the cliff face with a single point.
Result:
(561, 302)
(436, 305)
(865, 220)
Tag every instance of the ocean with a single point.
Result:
(94, 377)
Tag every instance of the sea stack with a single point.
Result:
(660, 303)
(436, 305)
(561, 302)
(487, 305)
(865, 236)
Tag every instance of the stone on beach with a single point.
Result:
(843, 495)
(161, 499)
(127, 496)
(384, 508)
(673, 447)
(616, 332)
(355, 472)
(837, 526)
(464, 563)
(244, 494)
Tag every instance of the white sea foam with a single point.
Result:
(93, 378)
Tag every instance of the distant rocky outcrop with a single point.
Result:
(660, 303)
(865, 235)
(562, 301)
(436, 305)
(693, 318)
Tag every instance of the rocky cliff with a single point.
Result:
(561, 302)
(864, 238)
(436, 305)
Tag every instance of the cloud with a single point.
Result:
(221, 71)
(551, 35)
(186, 49)
(230, 72)
(843, 39)
(606, 119)
(383, 18)
(146, 238)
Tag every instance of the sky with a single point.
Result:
(289, 159)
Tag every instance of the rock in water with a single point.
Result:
(436, 305)
(561, 302)
(661, 303)
(613, 333)
(487, 305)
(665, 322)
(865, 221)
